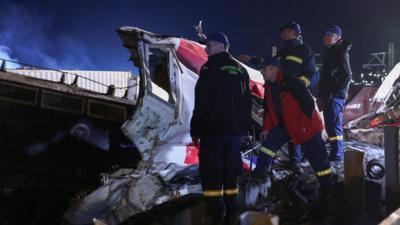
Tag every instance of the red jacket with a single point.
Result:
(297, 110)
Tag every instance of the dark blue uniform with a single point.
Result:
(221, 115)
(298, 60)
(334, 85)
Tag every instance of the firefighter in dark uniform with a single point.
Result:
(334, 85)
(221, 116)
(297, 60)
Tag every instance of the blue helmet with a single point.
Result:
(334, 29)
(293, 26)
(219, 37)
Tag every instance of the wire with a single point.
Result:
(64, 72)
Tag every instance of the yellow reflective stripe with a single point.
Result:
(336, 138)
(232, 191)
(294, 59)
(324, 172)
(305, 80)
(268, 151)
(213, 193)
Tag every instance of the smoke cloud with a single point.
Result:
(27, 34)
(5, 54)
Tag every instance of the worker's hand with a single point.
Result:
(196, 141)
(243, 58)
(263, 135)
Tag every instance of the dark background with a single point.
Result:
(81, 34)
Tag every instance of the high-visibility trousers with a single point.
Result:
(333, 117)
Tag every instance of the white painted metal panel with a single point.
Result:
(386, 87)
(97, 81)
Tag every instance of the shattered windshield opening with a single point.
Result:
(159, 74)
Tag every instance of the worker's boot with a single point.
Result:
(295, 166)
(295, 158)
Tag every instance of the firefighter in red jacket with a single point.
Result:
(290, 116)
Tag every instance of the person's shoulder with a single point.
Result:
(345, 46)
(231, 61)
(301, 50)
(293, 82)
(205, 67)
(306, 48)
(236, 63)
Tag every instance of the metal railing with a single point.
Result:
(63, 76)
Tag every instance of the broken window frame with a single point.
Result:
(142, 72)
(173, 74)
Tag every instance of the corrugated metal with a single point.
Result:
(97, 81)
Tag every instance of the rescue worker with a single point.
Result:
(291, 117)
(221, 116)
(297, 60)
(334, 86)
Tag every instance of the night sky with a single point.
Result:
(81, 34)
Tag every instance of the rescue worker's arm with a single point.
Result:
(256, 61)
(301, 94)
(300, 63)
(251, 61)
(267, 123)
(237, 78)
(309, 69)
(267, 126)
(243, 58)
(195, 121)
(270, 118)
(290, 65)
(247, 97)
(325, 83)
(342, 77)
(202, 95)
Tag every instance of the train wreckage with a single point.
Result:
(165, 172)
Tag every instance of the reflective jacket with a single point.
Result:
(297, 109)
(298, 60)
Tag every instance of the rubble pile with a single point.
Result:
(292, 195)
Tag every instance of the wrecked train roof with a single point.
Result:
(190, 53)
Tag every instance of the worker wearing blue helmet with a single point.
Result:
(221, 115)
(334, 85)
(297, 60)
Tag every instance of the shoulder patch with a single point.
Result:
(232, 69)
